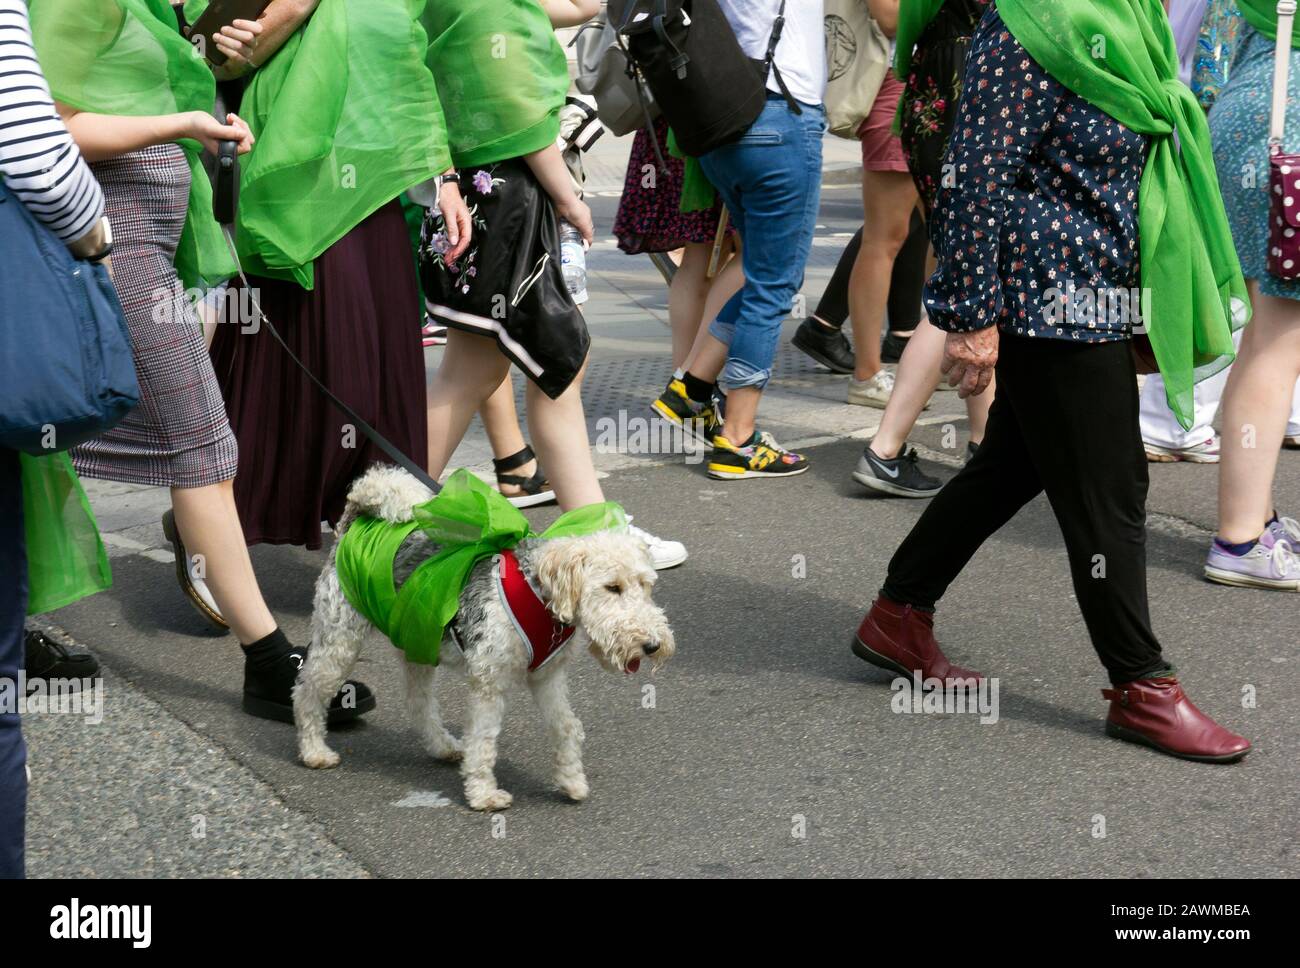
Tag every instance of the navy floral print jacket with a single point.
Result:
(1035, 225)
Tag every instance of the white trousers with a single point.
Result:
(1161, 427)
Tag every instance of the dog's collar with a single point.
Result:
(544, 636)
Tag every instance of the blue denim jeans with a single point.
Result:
(13, 609)
(770, 181)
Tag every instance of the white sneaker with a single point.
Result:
(874, 392)
(664, 554)
(1206, 452)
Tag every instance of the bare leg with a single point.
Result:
(686, 297)
(918, 375)
(888, 198)
(977, 412)
(559, 431)
(501, 421)
(742, 412)
(209, 527)
(726, 284)
(472, 369)
(1256, 403)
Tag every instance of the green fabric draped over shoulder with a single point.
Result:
(1120, 56)
(1262, 15)
(127, 57)
(346, 117)
(913, 17)
(65, 555)
(468, 521)
(502, 75)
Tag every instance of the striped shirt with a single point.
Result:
(38, 158)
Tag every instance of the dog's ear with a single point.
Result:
(559, 572)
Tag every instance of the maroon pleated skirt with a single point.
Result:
(358, 330)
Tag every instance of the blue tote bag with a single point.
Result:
(66, 369)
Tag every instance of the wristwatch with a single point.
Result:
(107, 249)
(452, 177)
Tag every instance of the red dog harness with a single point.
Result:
(544, 636)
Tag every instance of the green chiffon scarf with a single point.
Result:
(1120, 56)
(469, 521)
(502, 76)
(913, 17)
(1262, 15)
(65, 555)
(127, 57)
(346, 117)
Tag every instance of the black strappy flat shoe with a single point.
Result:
(533, 490)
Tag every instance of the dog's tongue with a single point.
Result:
(634, 665)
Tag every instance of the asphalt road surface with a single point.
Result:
(765, 749)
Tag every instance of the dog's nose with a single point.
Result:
(650, 648)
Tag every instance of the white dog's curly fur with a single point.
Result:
(600, 583)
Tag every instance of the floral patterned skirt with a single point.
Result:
(508, 285)
(929, 107)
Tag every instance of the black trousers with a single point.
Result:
(1064, 421)
(905, 284)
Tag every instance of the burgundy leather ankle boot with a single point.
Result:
(1157, 713)
(900, 638)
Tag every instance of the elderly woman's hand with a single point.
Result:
(968, 360)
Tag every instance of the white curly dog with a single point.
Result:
(600, 583)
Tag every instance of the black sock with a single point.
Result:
(701, 391)
(267, 650)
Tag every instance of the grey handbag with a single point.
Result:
(603, 73)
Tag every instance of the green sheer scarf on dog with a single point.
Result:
(468, 521)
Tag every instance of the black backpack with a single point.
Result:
(688, 56)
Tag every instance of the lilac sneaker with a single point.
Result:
(1269, 564)
(1288, 530)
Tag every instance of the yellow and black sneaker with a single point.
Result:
(760, 457)
(692, 416)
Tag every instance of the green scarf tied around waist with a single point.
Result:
(469, 521)
(346, 117)
(502, 75)
(1262, 15)
(127, 57)
(1120, 56)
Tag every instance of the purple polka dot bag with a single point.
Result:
(1284, 168)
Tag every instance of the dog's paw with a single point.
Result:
(449, 751)
(322, 760)
(575, 789)
(495, 800)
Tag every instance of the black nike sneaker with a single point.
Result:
(901, 476)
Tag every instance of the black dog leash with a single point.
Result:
(224, 206)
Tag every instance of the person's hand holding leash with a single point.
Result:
(209, 132)
(968, 360)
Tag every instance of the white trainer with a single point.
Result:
(874, 392)
(664, 554)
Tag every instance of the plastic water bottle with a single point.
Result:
(573, 262)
